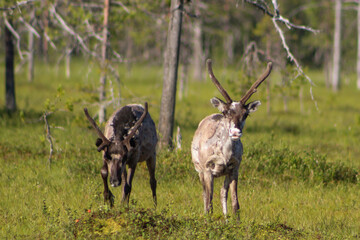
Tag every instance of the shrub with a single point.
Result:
(288, 164)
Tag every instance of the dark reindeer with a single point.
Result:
(129, 138)
(216, 148)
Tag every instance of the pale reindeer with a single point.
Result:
(129, 138)
(216, 148)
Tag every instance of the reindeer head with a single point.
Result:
(236, 112)
(115, 151)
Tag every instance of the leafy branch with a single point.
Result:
(276, 17)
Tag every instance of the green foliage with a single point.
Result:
(311, 167)
(147, 223)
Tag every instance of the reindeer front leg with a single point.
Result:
(224, 194)
(127, 183)
(108, 196)
(207, 181)
(233, 189)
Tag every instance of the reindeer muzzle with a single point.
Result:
(115, 183)
(235, 134)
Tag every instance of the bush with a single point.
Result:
(287, 164)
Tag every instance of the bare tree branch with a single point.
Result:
(31, 29)
(291, 56)
(91, 29)
(290, 25)
(120, 4)
(276, 17)
(48, 39)
(263, 7)
(63, 24)
(17, 5)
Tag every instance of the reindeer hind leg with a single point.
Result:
(151, 165)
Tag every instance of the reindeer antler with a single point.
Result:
(216, 82)
(126, 141)
(254, 87)
(105, 141)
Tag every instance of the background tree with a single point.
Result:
(171, 61)
(10, 100)
(337, 47)
(31, 43)
(103, 64)
(198, 55)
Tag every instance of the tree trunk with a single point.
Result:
(337, 47)
(30, 75)
(229, 47)
(358, 53)
(197, 45)
(45, 22)
(228, 40)
(102, 96)
(167, 109)
(10, 100)
(327, 69)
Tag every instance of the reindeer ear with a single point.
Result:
(98, 142)
(219, 104)
(253, 106)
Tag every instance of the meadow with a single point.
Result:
(299, 178)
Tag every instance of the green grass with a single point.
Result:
(299, 179)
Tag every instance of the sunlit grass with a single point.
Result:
(42, 202)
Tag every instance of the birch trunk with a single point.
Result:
(67, 62)
(168, 97)
(102, 96)
(197, 45)
(30, 73)
(45, 21)
(337, 47)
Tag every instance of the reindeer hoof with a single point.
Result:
(109, 197)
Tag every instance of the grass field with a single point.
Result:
(299, 179)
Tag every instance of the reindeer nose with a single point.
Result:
(235, 134)
(115, 183)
